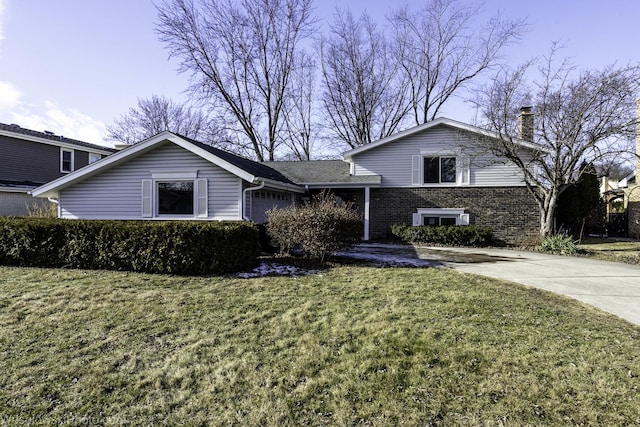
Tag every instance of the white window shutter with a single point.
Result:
(464, 171)
(201, 197)
(147, 198)
(417, 219)
(464, 219)
(415, 170)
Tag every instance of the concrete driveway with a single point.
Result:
(612, 287)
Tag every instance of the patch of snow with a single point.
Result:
(273, 269)
(387, 256)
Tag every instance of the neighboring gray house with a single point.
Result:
(31, 159)
(427, 175)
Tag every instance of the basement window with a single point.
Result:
(435, 217)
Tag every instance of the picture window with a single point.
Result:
(175, 198)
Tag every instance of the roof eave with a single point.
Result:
(280, 185)
(92, 149)
(52, 189)
(341, 184)
(348, 155)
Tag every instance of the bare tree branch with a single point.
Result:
(441, 53)
(364, 98)
(241, 53)
(156, 114)
(580, 117)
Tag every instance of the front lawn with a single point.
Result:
(353, 346)
(610, 249)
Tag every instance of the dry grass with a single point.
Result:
(612, 250)
(355, 346)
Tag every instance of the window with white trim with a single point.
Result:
(435, 217)
(439, 170)
(66, 160)
(174, 198)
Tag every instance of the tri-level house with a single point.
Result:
(432, 174)
(31, 159)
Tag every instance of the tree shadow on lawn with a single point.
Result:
(372, 255)
(396, 255)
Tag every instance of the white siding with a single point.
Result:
(394, 160)
(117, 193)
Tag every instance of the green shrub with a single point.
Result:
(561, 244)
(318, 228)
(33, 242)
(172, 247)
(451, 235)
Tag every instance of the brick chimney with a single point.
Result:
(637, 162)
(633, 192)
(525, 124)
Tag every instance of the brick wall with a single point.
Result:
(633, 211)
(510, 211)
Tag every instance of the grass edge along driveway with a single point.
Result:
(351, 346)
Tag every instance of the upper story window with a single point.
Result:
(430, 170)
(439, 170)
(94, 157)
(66, 160)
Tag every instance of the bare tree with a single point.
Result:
(363, 97)
(616, 167)
(242, 53)
(299, 110)
(156, 114)
(442, 50)
(580, 116)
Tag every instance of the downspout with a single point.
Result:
(244, 198)
(55, 202)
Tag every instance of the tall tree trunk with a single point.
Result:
(548, 214)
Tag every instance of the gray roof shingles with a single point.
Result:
(257, 169)
(52, 137)
(321, 172)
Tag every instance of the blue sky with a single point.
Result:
(73, 66)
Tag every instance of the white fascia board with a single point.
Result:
(95, 149)
(316, 185)
(280, 185)
(347, 155)
(51, 189)
(14, 190)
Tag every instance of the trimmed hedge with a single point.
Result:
(451, 235)
(170, 247)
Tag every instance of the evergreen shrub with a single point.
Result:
(449, 235)
(171, 247)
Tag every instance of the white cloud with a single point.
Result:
(48, 115)
(61, 121)
(2, 16)
(9, 96)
